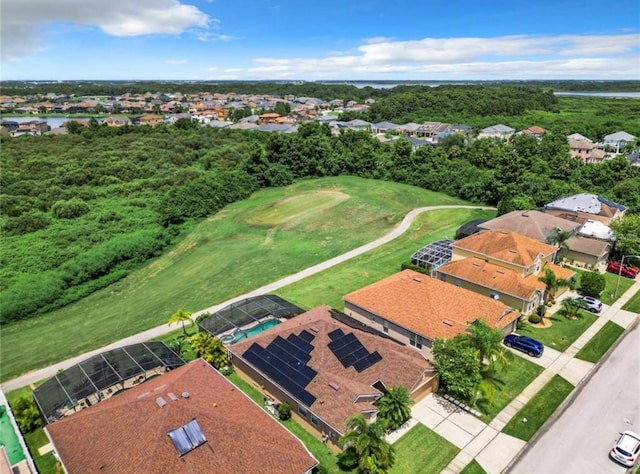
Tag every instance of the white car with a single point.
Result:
(626, 449)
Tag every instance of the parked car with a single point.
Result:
(525, 344)
(626, 449)
(620, 269)
(590, 303)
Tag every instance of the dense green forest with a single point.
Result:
(80, 211)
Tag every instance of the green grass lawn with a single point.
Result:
(45, 464)
(507, 386)
(237, 250)
(473, 468)
(537, 410)
(600, 343)
(329, 286)
(633, 304)
(611, 281)
(422, 450)
(562, 332)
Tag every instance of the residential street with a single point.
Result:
(580, 440)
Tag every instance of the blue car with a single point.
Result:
(525, 344)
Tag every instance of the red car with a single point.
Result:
(624, 270)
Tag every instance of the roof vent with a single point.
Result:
(185, 395)
(419, 280)
(161, 402)
(476, 264)
(513, 251)
(334, 386)
(314, 328)
(500, 271)
(448, 323)
(172, 396)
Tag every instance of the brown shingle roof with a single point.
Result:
(505, 245)
(336, 406)
(492, 276)
(128, 432)
(533, 224)
(588, 246)
(429, 307)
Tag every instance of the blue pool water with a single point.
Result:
(242, 334)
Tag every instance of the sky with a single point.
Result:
(319, 40)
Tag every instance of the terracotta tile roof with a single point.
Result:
(429, 307)
(533, 224)
(336, 406)
(505, 245)
(562, 273)
(128, 432)
(493, 276)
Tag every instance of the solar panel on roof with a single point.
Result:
(335, 334)
(306, 335)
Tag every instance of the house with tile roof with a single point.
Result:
(329, 371)
(583, 207)
(416, 309)
(497, 131)
(617, 141)
(503, 265)
(191, 419)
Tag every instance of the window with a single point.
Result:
(415, 341)
(457, 282)
(385, 325)
(303, 411)
(443, 277)
(314, 420)
(187, 437)
(537, 267)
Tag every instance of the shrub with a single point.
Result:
(26, 413)
(534, 318)
(592, 283)
(284, 411)
(69, 209)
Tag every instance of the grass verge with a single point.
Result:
(633, 304)
(537, 410)
(562, 332)
(506, 386)
(600, 343)
(608, 295)
(473, 468)
(222, 257)
(46, 464)
(422, 450)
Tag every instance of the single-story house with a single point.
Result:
(329, 371)
(497, 131)
(582, 207)
(416, 309)
(191, 419)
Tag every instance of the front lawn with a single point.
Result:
(633, 304)
(538, 409)
(506, 386)
(562, 332)
(600, 343)
(422, 450)
(473, 468)
(611, 281)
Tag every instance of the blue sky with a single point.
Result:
(319, 40)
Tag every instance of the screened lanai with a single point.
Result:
(432, 255)
(101, 376)
(247, 312)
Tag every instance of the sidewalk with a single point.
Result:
(492, 449)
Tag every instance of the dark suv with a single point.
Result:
(525, 344)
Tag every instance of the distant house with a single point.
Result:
(409, 129)
(151, 120)
(116, 121)
(191, 419)
(497, 131)
(357, 124)
(536, 225)
(416, 309)
(586, 150)
(383, 127)
(577, 136)
(634, 158)
(173, 118)
(329, 371)
(582, 207)
(533, 131)
(33, 127)
(618, 140)
(431, 129)
(270, 117)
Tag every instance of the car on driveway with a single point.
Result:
(525, 344)
(620, 269)
(627, 448)
(590, 303)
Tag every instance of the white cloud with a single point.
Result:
(175, 61)
(209, 36)
(563, 56)
(22, 21)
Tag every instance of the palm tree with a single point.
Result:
(571, 308)
(488, 342)
(394, 407)
(552, 284)
(366, 440)
(559, 238)
(180, 316)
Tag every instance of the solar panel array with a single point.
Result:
(285, 362)
(350, 352)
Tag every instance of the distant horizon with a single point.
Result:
(230, 40)
(327, 81)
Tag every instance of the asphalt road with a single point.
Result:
(401, 228)
(580, 440)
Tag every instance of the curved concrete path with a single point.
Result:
(40, 374)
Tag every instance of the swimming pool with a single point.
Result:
(9, 439)
(241, 334)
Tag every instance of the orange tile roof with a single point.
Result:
(429, 307)
(493, 276)
(562, 273)
(336, 406)
(128, 432)
(506, 245)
